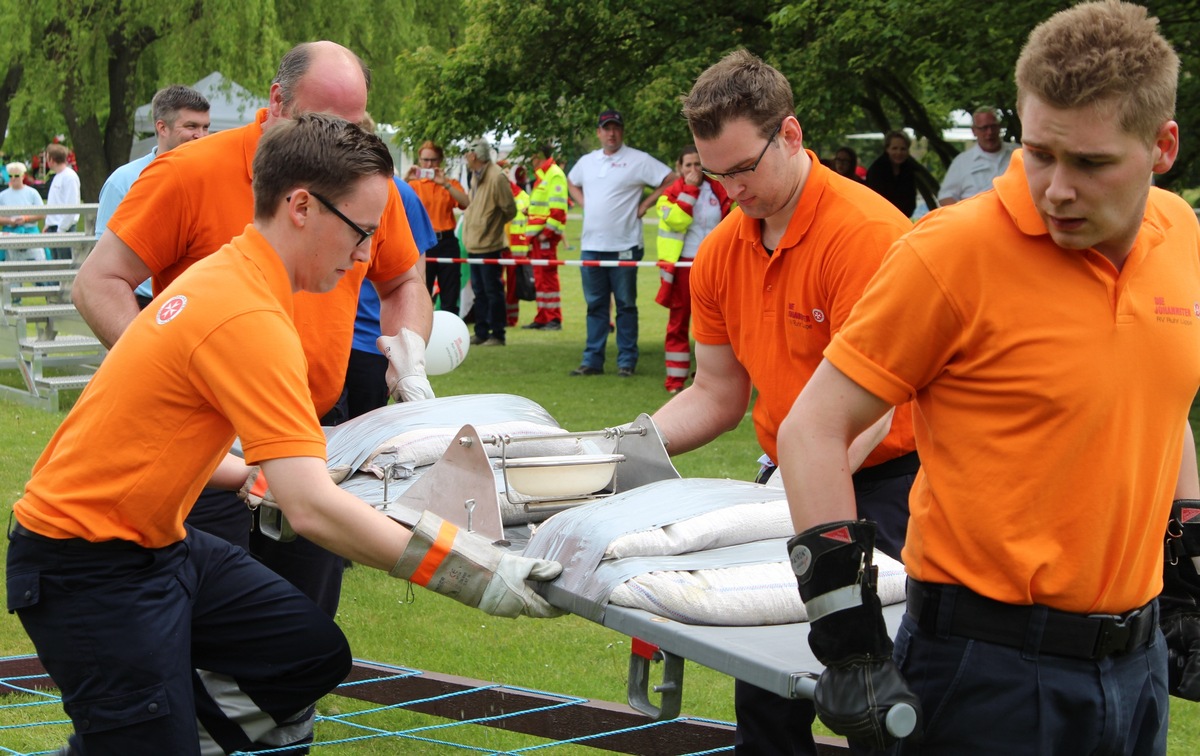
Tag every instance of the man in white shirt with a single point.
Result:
(64, 190)
(611, 178)
(973, 170)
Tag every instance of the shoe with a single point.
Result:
(585, 370)
(625, 372)
(674, 391)
(534, 326)
(494, 342)
(477, 340)
(553, 325)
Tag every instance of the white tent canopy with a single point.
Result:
(230, 105)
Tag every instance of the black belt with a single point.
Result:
(19, 529)
(905, 464)
(442, 234)
(953, 610)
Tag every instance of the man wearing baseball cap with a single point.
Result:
(611, 179)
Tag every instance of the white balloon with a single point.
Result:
(449, 341)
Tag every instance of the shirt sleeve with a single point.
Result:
(952, 186)
(395, 251)
(877, 350)
(271, 410)
(110, 197)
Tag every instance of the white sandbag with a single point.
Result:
(757, 594)
(742, 523)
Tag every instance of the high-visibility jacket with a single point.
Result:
(674, 210)
(517, 242)
(548, 202)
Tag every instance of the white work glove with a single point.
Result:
(467, 568)
(255, 491)
(406, 377)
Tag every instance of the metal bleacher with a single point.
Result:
(44, 338)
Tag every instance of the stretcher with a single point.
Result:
(599, 486)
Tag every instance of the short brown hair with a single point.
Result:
(429, 144)
(1103, 52)
(57, 153)
(740, 85)
(320, 152)
(169, 100)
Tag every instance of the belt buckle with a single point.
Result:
(1116, 633)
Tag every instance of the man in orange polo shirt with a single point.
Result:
(189, 202)
(167, 640)
(770, 285)
(1049, 332)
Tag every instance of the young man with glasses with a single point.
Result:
(972, 171)
(770, 286)
(167, 640)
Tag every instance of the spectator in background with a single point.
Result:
(64, 190)
(19, 195)
(492, 206)
(180, 115)
(687, 211)
(612, 179)
(545, 230)
(845, 163)
(518, 246)
(440, 195)
(972, 171)
(893, 173)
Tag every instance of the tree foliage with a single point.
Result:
(544, 68)
(81, 67)
(541, 69)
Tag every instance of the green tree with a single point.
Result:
(82, 67)
(544, 68)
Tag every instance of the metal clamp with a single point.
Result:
(671, 688)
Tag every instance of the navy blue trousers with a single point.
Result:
(161, 650)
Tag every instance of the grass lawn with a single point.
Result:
(567, 655)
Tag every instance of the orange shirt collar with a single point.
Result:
(802, 216)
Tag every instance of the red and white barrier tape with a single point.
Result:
(579, 263)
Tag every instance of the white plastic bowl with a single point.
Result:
(563, 476)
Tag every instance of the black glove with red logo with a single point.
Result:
(861, 694)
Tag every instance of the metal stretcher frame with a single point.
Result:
(775, 658)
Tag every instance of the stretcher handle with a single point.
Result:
(900, 720)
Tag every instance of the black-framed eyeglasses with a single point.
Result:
(749, 169)
(363, 235)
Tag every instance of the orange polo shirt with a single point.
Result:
(778, 311)
(438, 202)
(1051, 396)
(195, 198)
(146, 434)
